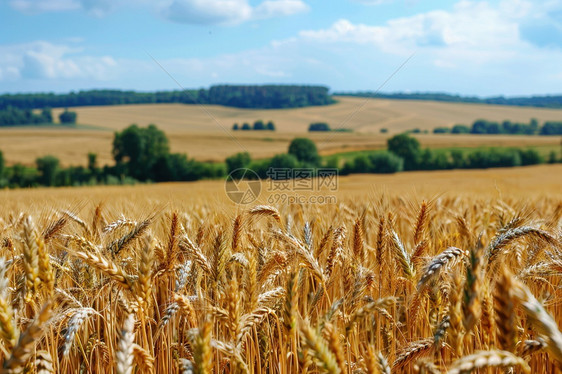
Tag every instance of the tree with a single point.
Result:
(238, 161)
(140, 149)
(259, 125)
(68, 117)
(246, 126)
(93, 164)
(386, 162)
(235, 127)
(319, 126)
(270, 126)
(282, 161)
(441, 130)
(551, 128)
(460, 129)
(47, 167)
(305, 151)
(406, 147)
(46, 115)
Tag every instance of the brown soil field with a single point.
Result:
(204, 133)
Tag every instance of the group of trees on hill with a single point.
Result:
(258, 125)
(269, 96)
(12, 116)
(482, 126)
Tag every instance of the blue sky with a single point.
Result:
(485, 48)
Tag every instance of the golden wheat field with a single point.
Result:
(442, 272)
(204, 133)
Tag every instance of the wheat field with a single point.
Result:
(418, 272)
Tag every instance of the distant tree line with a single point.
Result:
(482, 126)
(324, 127)
(143, 155)
(546, 101)
(404, 153)
(258, 125)
(266, 97)
(12, 116)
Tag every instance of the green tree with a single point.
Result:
(270, 126)
(458, 159)
(139, 149)
(282, 161)
(305, 151)
(46, 115)
(386, 162)
(235, 127)
(47, 167)
(406, 147)
(441, 130)
(259, 125)
(246, 126)
(2, 164)
(460, 129)
(319, 126)
(238, 161)
(68, 117)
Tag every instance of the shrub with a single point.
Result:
(238, 161)
(530, 157)
(47, 167)
(318, 126)
(386, 163)
(441, 130)
(68, 117)
(460, 129)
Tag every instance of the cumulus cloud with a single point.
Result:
(47, 61)
(470, 25)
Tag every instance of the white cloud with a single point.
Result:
(470, 24)
(270, 8)
(47, 61)
(229, 12)
(208, 11)
(224, 12)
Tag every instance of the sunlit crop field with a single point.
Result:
(436, 272)
(205, 133)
